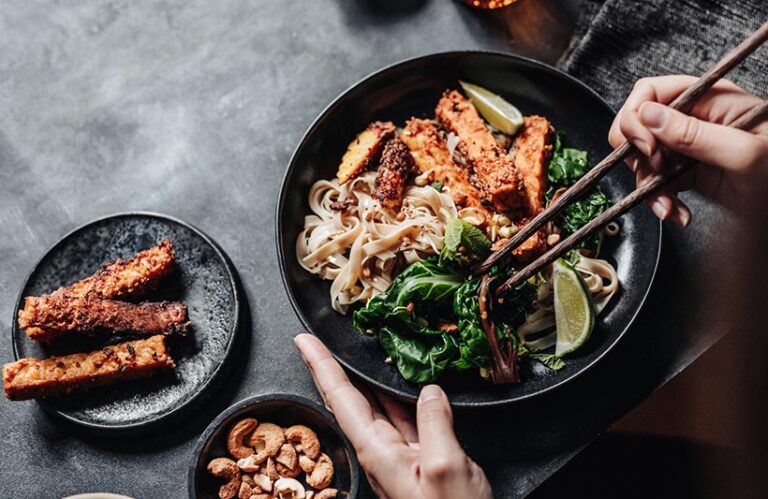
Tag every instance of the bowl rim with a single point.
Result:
(255, 400)
(319, 121)
(220, 370)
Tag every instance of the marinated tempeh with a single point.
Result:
(533, 148)
(364, 149)
(431, 155)
(120, 278)
(39, 378)
(395, 166)
(494, 171)
(57, 314)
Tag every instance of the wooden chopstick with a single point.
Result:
(746, 122)
(684, 102)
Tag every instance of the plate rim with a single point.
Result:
(316, 123)
(199, 394)
(269, 397)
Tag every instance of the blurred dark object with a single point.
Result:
(490, 4)
(540, 29)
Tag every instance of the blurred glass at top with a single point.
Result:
(489, 4)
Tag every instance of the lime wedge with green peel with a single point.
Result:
(499, 113)
(574, 310)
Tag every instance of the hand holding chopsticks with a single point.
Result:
(684, 102)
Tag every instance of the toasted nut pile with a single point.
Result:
(270, 461)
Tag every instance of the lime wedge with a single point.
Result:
(499, 113)
(574, 310)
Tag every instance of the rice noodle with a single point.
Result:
(361, 247)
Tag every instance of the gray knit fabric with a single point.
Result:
(619, 41)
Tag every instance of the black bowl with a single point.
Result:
(412, 88)
(284, 410)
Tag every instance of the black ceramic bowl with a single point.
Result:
(284, 410)
(412, 88)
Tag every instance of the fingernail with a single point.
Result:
(633, 164)
(685, 217)
(653, 115)
(659, 209)
(430, 392)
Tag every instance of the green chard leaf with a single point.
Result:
(565, 168)
(549, 360)
(419, 360)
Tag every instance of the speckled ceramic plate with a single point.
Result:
(413, 88)
(204, 280)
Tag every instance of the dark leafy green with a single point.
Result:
(437, 185)
(566, 167)
(419, 360)
(425, 285)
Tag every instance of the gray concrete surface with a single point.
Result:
(193, 109)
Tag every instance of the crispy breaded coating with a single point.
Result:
(364, 149)
(122, 277)
(495, 173)
(431, 155)
(533, 148)
(395, 166)
(40, 378)
(57, 314)
(531, 247)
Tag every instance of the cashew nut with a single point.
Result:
(267, 440)
(322, 475)
(248, 464)
(288, 488)
(306, 464)
(287, 456)
(300, 434)
(271, 469)
(237, 435)
(326, 494)
(246, 491)
(263, 482)
(227, 469)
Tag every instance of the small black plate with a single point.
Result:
(284, 410)
(203, 279)
(413, 88)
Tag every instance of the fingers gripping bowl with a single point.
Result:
(272, 443)
(411, 89)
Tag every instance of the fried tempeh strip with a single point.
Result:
(431, 155)
(395, 166)
(494, 170)
(121, 277)
(57, 314)
(364, 149)
(40, 378)
(533, 148)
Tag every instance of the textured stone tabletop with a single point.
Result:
(192, 109)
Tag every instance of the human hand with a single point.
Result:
(402, 458)
(733, 167)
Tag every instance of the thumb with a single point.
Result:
(440, 450)
(710, 143)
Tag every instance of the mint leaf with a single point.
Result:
(459, 233)
(437, 185)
